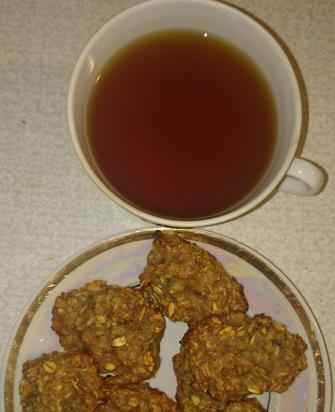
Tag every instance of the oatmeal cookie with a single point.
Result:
(115, 325)
(61, 382)
(189, 398)
(186, 282)
(247, 405)
(228, 359)
(137, 398)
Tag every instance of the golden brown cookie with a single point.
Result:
(228, 359)
(61, 382)
(189, 398)
(137, 398)
(186, 282)
(115, 325)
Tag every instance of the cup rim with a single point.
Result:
(251, 204)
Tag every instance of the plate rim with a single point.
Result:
(244, 252)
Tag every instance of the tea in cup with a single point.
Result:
(189, 113)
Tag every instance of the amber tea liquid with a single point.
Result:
(182, 124)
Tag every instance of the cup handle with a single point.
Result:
(303, 178)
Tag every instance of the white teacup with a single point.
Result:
(286, 172)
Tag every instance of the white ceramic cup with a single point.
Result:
(286, 172)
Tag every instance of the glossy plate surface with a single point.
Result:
(120, 259)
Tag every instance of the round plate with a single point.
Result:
(120, 260)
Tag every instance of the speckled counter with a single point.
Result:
(49, 207)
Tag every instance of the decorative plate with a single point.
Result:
(120, 260)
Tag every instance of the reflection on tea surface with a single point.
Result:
(182, 124)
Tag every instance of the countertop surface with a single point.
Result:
(50, 209)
